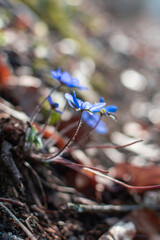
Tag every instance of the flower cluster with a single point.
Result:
(90, 113)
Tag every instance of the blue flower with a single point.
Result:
(92, 120)
(53, 105)
(80, 105)
(66, 79)
(109, 109)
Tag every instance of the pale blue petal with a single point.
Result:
(86, 105)
(92, 120)
(101, 128)
(71, 104)
(69, 97)
(97, 107)
(66, 79)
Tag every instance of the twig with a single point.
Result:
(27, 221)
(17, 114)
(39, 182)
(81, 208)
(32, 190)
(12, 201)
(21, 225)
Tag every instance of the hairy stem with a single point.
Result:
(46, 123)
(51, 157)
(38, 108)
(105, 146)
(122, 183)
(86, 135)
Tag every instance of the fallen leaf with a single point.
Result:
(147, 223)
(4, 73)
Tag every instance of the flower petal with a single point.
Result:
(50, 100)
(69, 99)
(101, 100)
(111, 108)
(92, 120)
(75, 100)
(101, 128)
(56, 74)
(86, 105)
(96, 107)
(76, 83)
(66, 79)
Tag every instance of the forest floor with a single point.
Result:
(72, 198)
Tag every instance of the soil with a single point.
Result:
(19, 186)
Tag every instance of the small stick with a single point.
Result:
(12, 201)
(27, 221)
(39, 182)
(13, 112)
(21, 225)
(32, 190)
(81, 208)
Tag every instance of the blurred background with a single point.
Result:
(113, 47)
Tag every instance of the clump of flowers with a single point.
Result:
(90, 113)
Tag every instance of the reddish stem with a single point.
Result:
(105, 146)
(122, 183)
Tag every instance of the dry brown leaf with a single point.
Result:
(147, 223)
